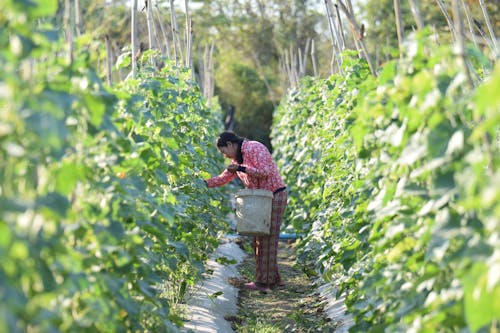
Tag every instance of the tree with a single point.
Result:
(250, 39)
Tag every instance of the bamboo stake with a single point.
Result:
(293, 63)
(288, 67)
(469, 22)
(416, 14)
(483, 35)
(399, 26)
(134, 37)
(356, 41)
(387, 45)
(282, 72)
(208, 86)
(190, 48)
(459, 28)
(180, 47)
(166, 48)
(490, 28)
(78, 18)
(205, 72)
(212, 81)
(109, 60)
(174, 31)
(303, 67)
(69, 22)
(187, 35)
(341, 28)
(357, 33)
(335, 42)
(313, 58)
(299, 62)
(149, 19)
(447, 16)
(335, 30)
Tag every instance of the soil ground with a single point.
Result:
(295, 307)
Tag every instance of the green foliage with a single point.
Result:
(241, 86)
(395, 181)
(250, 41)
(104, 218)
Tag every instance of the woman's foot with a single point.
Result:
(256, 286)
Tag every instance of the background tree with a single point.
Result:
(251, 38)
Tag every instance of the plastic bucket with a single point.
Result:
(253, 212)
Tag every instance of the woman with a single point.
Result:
(253, 164)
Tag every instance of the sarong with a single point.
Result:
(266, 247)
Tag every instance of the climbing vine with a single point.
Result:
(104, 219)
(394, 181)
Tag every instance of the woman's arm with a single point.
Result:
(225, 177)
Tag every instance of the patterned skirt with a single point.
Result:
(266, 247)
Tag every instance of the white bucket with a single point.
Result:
(253, 212)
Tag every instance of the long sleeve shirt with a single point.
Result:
(260, 173)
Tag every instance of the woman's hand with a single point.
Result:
(232, 168)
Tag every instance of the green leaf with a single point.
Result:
(67, 176)
(482, 295)
(40, 8)
(96, 108)
(124, 60)
(5, 235)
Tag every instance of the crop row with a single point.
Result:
(104, 219)
(395, 182)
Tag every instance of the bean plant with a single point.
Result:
(394, 182)
(104, 218)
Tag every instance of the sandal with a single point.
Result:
(254, 286)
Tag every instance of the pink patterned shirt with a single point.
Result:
(261, 171)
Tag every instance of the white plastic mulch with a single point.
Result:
(214, 298)
(335, 308)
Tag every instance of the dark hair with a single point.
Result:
(228, 136)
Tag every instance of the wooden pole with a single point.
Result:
(208, 67)
(459, 28)
(341, 28)
(69, 22)
(448, 18)
(187, 35)
(303, 67)
(356, 40)
(78, 18)
(490, 28)
(174, 31)
(134, 37)
(399, 26)
(166, 48)
(149, 18)
(109, 60)
(335, 41)
(358, 35)
(416, 14)
(469, 22)
(313, 58)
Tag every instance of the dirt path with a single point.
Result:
(293, 308)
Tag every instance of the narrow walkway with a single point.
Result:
(296, 307)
